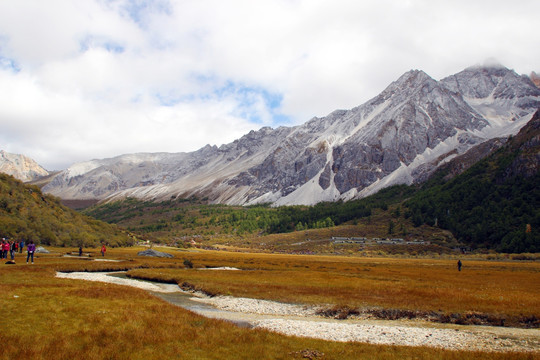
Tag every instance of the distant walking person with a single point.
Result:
(21, 246)
(31, 248)
(103, 250)
(459, 264)
(80, 250)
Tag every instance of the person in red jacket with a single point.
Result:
(103, 249)
(5, 248)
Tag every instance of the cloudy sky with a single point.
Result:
(98, 78)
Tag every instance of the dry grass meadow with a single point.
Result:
(504, 288)
(45, 317)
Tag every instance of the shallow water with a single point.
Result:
(185, 300)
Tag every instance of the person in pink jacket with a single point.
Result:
(31, 248)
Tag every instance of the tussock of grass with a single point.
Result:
(338, 312)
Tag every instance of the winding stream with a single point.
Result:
(174, 295)
(247, 313)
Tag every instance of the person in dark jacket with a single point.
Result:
(13, 249)
(31, 248)
(459, 264)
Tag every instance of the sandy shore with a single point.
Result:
(408, 333)
(103, 277)
(297, 320)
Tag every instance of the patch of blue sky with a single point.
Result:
(172, 99)
(139, 10)
(9, 64)
(203, 78)
(6, 62)
(250, 99)
(91, 41)
(113, 47)
(253, 103)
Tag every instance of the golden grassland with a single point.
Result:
(50, 318)
(509, 288)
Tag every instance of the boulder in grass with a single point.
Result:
(154, 253)
(42, 250)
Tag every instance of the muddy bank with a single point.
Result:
(468, 318)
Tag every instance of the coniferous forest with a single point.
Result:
(495, 204)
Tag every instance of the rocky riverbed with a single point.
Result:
(297, 320)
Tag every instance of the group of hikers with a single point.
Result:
(103, 250)
(12, 247)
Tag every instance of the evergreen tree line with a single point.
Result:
(482, 207)
(148, 217)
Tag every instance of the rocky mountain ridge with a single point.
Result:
(535, 79)
(400, 136)
(20, 166)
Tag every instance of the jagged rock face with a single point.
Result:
(420, 114)
(535, 78)
(290, 163)
(20, 166)
(97, 179)
(353, 149)
(527, 162)
(495, 91)
(400, 136)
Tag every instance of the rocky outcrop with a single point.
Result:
(535, 78)
(42, 250)
(527, 161)
(154, 253)
(20, 166)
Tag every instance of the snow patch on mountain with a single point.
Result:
(503, 128)
(81, 168)
(310, 193)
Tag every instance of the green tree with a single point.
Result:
(390, 227)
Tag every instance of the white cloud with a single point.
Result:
(99, 78)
